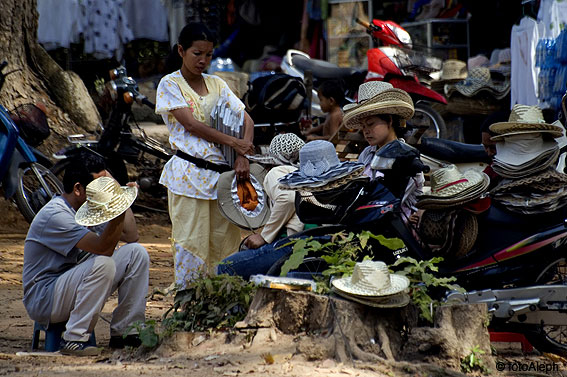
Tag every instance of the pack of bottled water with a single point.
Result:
(551, 58)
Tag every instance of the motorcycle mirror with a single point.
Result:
(128, 98)
(113, 73)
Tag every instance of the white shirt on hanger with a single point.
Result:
(524, 77)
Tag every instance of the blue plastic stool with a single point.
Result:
(53, 336)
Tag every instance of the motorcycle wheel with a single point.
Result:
(31, 194)
(546, 338)
(426, 116)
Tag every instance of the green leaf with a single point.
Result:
(293, 262)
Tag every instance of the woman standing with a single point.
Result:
(186, 98)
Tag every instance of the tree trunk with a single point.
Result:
(36, 78)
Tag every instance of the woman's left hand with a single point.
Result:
(242, 168)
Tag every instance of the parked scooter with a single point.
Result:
(30, 184)
(517, 264)
(395, 63)
(118, 143)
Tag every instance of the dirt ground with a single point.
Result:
(197, 355)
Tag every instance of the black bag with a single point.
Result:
(275, 98)
(32, 124)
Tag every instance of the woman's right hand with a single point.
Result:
(243, 147)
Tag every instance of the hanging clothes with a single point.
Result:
(553, 15)
(147, 19)
(59, 24)
(176, 18)
(523, 81)
(106, 28)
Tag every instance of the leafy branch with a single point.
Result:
(422, 277)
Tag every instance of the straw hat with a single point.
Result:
(520, 149)
(524, 119)
(377, 97)
(106, 200)
(453, 69)
(478, 80)
(371, 278)
(283, 150)
(450, 188)
(229, 203)
(319, 166)
(393, 301)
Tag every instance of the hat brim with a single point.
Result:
(295, 180)
(502, 128)
(430, 202)
(394, 301)
(391, 101)
(513, 158)
(227, 206)
(339, 182)
(88, 216)
(398, 284)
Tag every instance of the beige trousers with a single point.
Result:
(81, 292)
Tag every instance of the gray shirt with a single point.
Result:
(50, 250)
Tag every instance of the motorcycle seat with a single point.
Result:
(452, 151)
(322, 69)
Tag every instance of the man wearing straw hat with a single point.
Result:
(70, 271)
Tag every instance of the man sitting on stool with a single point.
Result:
(70, 270)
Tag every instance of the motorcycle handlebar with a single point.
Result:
(417, 166)
(148, 103)
(363, 23)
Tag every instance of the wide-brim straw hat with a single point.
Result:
(517, 150)
(450, 182)
(393, 301)
(548, 180)
(524, 119)
(377, 97)
(319, 165)
(478, 80)
(229, 202)
(283, 150)
(106, 200)
(371, 278)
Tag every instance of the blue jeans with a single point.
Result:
(254, 261)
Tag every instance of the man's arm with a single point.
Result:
(130, 231)
(107, 241)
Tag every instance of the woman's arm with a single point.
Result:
(200, 129)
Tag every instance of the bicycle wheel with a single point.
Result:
(36, 186)
(426, 116)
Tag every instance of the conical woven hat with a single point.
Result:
(378, 97)
(106, 200)
(524, 119)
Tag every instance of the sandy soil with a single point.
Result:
(197, 355)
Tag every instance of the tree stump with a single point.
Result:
(344, 330)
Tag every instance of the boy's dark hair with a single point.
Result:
(195, 31)
(81, 170)
(495, 117)
(333, 89)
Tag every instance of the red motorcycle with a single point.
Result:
(397, 63)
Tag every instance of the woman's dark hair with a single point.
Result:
(396, 123)
(195, 31)
(333, 89)
(81, 170)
